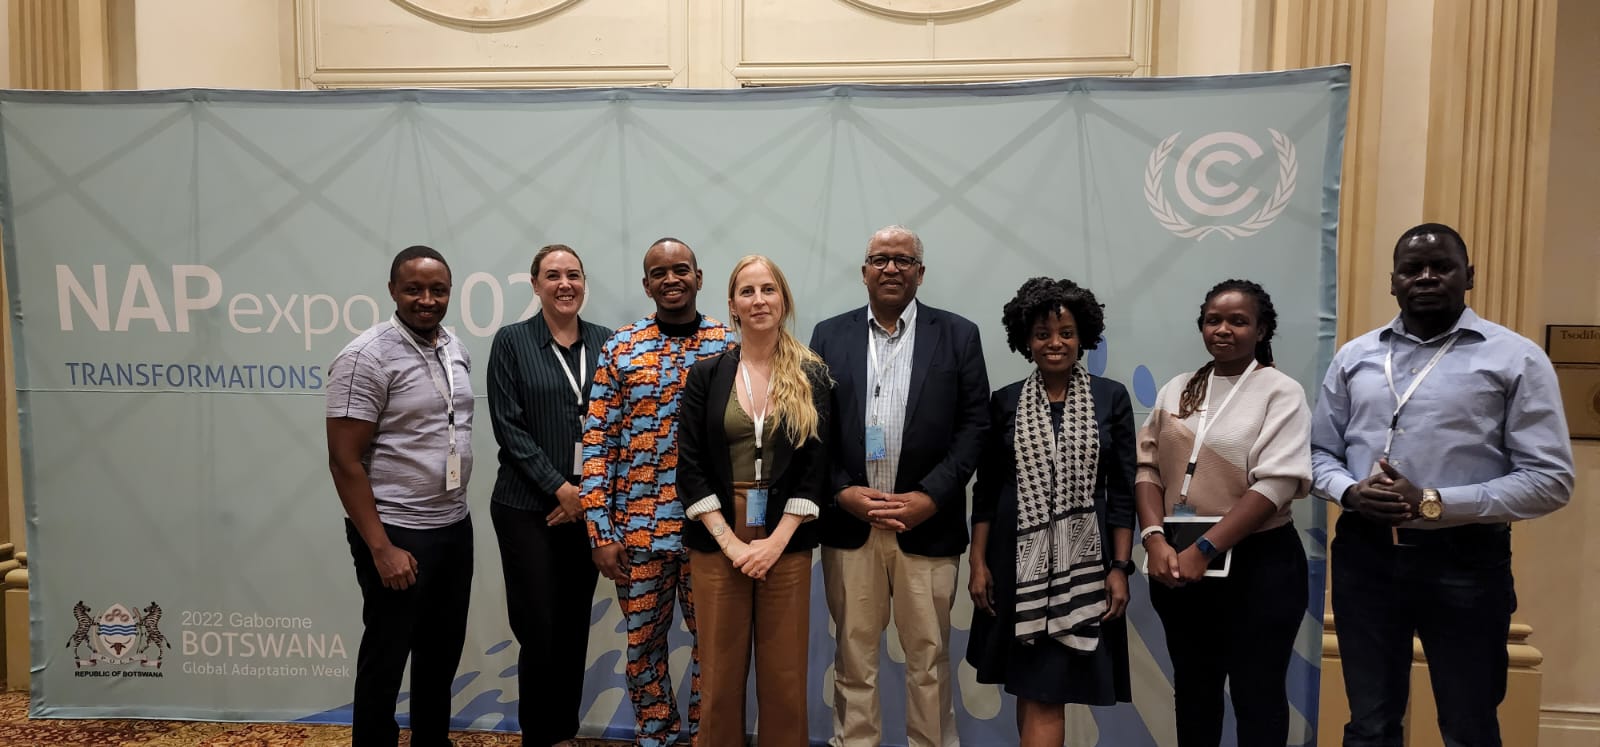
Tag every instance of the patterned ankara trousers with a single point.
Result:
(654, 579)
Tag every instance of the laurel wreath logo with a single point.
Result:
(1155, 195)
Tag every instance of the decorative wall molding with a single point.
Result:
(502, 44)
(1569, 726)
(940, 71)
(928, 9)
(478, 15)
(714, 43)
(495, 77)
(934, 41)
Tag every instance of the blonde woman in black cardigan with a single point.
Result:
(752, 474)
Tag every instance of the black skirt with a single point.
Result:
(1046, 672)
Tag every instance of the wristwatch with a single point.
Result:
(1126, 566)
(1431, 507)
(1207, 550)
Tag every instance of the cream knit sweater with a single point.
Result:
(1262, 442)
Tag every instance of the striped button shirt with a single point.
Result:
(888, 387)
(630, 443)
(537, 417)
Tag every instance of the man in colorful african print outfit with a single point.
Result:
(629, 491)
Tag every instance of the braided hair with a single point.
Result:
(1040, 296)
(1194, 392)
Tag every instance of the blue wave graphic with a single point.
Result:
(1122, 725)
(118, 629)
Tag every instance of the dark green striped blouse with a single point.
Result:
(534, 411)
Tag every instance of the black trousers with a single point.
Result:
(1453, 589)
(550, 584)
(1239, 630)
(426, 622)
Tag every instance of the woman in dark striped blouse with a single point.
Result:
(540, 370)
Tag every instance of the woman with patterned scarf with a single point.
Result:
(1052, 520)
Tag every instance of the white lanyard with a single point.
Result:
(577, 390)
(1208, 419)
(760, 418)
(1400, 400)
(445, 388)
(888, 361)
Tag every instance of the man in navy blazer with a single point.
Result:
(908, 417)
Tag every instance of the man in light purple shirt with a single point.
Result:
(1433, 433)
(399, 416)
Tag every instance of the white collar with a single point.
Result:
(908, 319)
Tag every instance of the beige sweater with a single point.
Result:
(1261, 443)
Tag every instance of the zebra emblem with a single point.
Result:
(80, 637)
(150, 635)
(117, 635)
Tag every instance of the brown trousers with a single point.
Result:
(735, 611)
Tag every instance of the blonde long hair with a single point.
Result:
(791, 387)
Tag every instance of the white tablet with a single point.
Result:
(1183, 531)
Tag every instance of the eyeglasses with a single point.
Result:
(901, 262)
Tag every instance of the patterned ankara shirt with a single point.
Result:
(630, 442)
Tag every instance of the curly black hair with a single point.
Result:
(1040, 296)
(1194, 392)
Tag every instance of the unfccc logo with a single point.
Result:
(1200, 192)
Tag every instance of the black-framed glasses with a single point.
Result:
(901, 262)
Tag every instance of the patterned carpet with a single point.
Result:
(17, 730)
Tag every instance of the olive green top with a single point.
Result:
(740, 428)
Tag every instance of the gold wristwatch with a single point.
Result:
(1431, 508)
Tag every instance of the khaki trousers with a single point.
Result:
(733, 611)
(860, 584)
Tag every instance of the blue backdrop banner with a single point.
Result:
(183, 266)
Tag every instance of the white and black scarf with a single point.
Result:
(1061, 578)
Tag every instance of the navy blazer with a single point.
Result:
(994, 500)
(946, 415)
(705, 469)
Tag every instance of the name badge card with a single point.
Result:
(755, 507)
(452, 470)
(877, 445)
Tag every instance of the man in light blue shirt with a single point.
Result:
(1433, 433)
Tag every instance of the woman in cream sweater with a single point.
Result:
(1230, 442)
